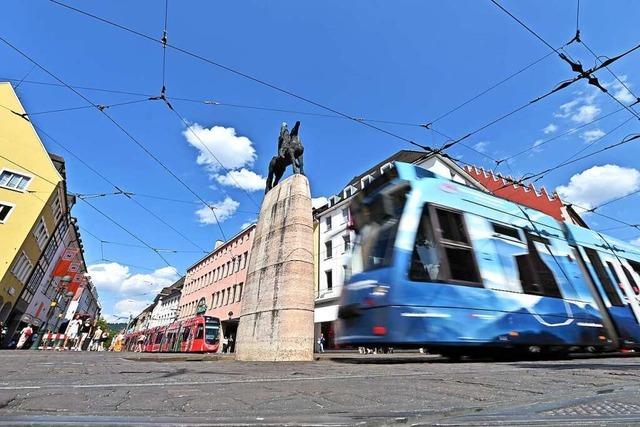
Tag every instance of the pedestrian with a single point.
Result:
(140, 344)
(321, 343)
(103, 339)
(85, 331)
(225, 343)
(25, 334)
(95, 340)
(73, 328)
(3, 333)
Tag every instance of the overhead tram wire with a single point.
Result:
(86, 107)
(95, 208)
(580, 40)
(111, 183)
(560, 135)
(575, 65)
(273, 86)
(511, 181)
(244, 75)
(119, 126)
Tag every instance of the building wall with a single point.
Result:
(38, 310)
(218, 280)
(27, 156)
(164, 313)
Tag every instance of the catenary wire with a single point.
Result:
(127, 133)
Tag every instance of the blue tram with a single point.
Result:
(453, 269)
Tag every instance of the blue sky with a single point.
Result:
(407, 61)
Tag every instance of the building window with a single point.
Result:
(226, 301)
(41, 234)
(347, 242)
(244, 260)
(328, 249)
(14, 180)
(57, 209)
(233, 297)
(22, 268)
(327, 222)
(222, 298)
(345, 215)
(329, 276)
(240, 292)
(5, 210)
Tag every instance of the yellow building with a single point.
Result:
(32, 201)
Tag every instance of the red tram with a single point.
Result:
(200, 334)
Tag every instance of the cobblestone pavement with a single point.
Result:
(125, 388)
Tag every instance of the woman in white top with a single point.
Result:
(72, 332)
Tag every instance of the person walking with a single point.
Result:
(321, 343)
(140, 344)
(73, 328)
(85, 331)
(95, 340)
(25, 334)
(103, 339)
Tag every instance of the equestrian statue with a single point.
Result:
(290, 152)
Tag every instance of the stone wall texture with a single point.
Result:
(276, 323)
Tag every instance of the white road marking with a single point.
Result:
(179, 384)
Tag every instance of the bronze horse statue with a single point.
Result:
(290, 152)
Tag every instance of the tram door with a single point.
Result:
(623, 275)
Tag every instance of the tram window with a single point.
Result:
(630, 278)
(635, 265)
(457, 249)
(603, 277)
(185, 334)
(452, 226)
(535, 275)
(461, 264)
(614, 273)
(379, 226)
(506, 231)
(159, 337)
(425, 262)
(200, 332)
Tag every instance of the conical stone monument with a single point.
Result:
(276, 323)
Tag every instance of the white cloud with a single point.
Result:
(481, 146)
(246, 224)
(600, 184)
(231, 150)
(619, 91)
(567, 108)
(550, 128)
(536, 145)
(115, 277)
(244, 179)
(125, 307)
(585, 113)
(135, 290)
(592, 135)
(318, 202)
(582, 109)
(108, 276)
(223, 211)
(635, 241)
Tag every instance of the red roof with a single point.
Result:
(524, 195)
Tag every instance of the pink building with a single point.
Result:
(213, 286)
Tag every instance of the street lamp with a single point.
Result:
(62, 286)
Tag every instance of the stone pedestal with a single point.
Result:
(276, 323)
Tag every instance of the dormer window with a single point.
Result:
(386, 167)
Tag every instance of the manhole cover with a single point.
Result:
(596, 409)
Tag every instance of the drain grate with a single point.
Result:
(596, 409)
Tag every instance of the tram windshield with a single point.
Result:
(212, 330)
(377, 218)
